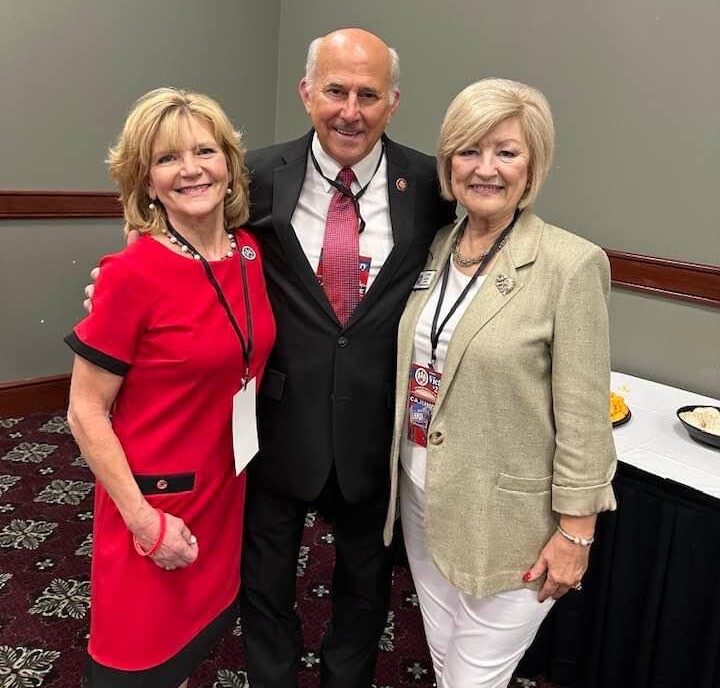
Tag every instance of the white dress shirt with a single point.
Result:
(308, 220)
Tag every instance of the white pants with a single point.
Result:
(474, 643)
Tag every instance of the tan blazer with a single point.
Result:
(520, 431)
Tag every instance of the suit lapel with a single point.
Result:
(437, 259)
(287, 185)
(416, 303)
(502, 284)
(401, 197)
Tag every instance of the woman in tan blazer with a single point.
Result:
(503, 453)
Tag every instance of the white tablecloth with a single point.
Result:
(655, 440)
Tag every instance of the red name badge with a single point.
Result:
(422, 392)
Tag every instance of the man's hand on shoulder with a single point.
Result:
(132, 237)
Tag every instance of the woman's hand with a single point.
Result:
(179, 547)
(564, 564)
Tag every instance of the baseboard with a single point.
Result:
(21, 397)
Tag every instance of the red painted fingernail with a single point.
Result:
(526, 576)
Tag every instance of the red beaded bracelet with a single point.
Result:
(161, 536)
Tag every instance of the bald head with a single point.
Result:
(354, 39)
(350, 92)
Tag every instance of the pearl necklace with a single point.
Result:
(196, 256)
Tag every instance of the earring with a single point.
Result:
(152, 206)
(228, 191)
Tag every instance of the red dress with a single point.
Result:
(156, 319)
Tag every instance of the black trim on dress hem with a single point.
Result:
(170, 673)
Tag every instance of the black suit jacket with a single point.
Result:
(328, 390)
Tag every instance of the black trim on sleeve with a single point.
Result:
(100, 359)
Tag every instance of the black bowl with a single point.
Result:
(623, 420)
(696, 433)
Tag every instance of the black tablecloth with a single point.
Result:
(649, 612)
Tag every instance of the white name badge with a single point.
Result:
(244, 427)
(424, 279)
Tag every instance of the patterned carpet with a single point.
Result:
(45, 546)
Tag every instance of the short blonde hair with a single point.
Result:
(482, 106)
(164, 112)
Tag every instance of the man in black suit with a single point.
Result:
(326, 403)
(325, 407)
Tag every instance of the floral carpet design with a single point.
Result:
(46, 498)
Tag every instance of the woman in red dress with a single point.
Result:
(180, 327)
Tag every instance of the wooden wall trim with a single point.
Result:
(28, 205)
(35, 394)
(672, 279)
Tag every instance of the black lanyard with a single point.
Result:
(436, 331)
(247, 346)
(344, 190)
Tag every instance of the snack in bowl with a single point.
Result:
(701, 424)
(619, 410)
(706, 418)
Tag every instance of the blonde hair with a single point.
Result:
(482, 106)
(164, 112)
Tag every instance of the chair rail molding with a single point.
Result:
(672, 279)
(663, 277)
(29, 205)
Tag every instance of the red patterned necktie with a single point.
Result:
(341, 252)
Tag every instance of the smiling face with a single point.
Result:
(189, 174)
(349, 97)
(489, 178)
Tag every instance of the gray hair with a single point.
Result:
(311, 63)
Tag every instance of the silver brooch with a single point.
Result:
(504, 284)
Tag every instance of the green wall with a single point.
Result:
(69, 72)
(633, 87)
(632, 84)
